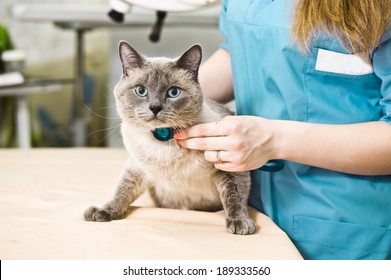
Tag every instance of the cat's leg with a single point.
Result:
(234, 189)
(130, 186)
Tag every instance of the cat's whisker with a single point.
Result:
(104, 129)
(96, 114)
(184, 124)
(111, 88)
(110, 133)
(107, 107)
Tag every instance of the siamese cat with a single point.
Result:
(155, 97)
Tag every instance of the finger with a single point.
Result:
(212, 156)
(229, 167)
(201, 130)
(205, 144)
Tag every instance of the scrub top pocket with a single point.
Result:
(340, 63)
(340, 88)
(355, 241)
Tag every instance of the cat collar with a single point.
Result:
(163, 133)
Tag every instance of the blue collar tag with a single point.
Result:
(163, 134)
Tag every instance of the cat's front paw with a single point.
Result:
(241, 226)
(97, 215)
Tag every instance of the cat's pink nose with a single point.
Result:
(155, 109)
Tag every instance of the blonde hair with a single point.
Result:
(357, 24)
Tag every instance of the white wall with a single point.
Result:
(51, 54)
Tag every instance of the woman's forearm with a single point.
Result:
(362, 149)
(215, 77)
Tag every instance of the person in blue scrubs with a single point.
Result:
(325, 112)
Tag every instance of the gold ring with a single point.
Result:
(218, 158)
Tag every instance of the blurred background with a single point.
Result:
(60, 64)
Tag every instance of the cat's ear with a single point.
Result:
(130, 58)
(191, 60)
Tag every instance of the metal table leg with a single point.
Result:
(23, 122)
(79, 121)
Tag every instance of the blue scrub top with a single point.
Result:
(327, 214)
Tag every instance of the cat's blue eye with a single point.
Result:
(141, 90)
(173, 92)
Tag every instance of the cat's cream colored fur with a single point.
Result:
(174, 176)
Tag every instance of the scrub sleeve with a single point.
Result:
(327, 214)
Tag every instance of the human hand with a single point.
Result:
(236, 143)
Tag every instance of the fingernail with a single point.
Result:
(178, 141)
(177, 135)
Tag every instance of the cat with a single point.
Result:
(161, 92)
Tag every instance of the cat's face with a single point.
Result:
(158, 92)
